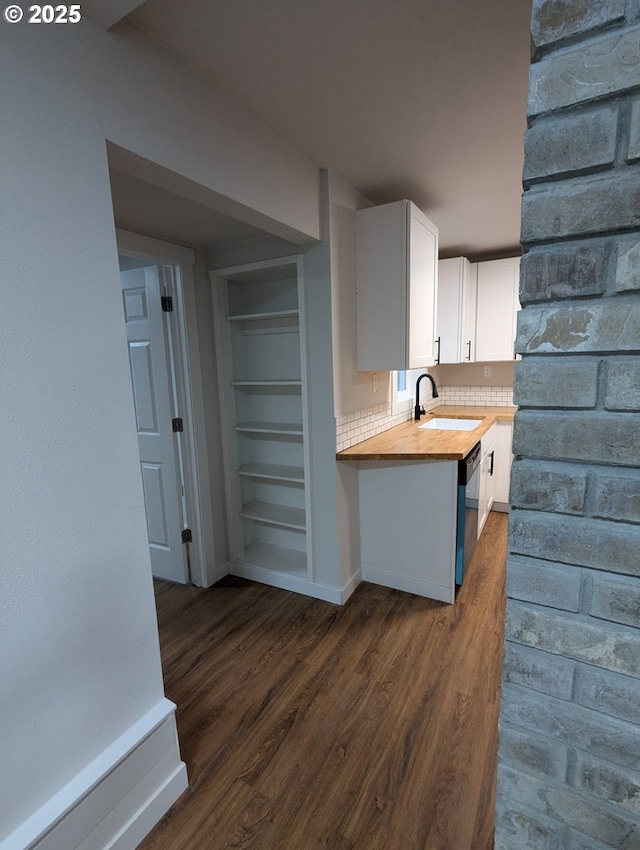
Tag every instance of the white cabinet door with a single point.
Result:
(469, 310)
(396, 269)
(503, 458)
(456, 311)
(487, 477)
(497, 307)
(423, 271)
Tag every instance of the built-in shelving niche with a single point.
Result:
(259, 311)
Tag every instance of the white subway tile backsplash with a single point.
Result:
(353, 428)
(477, 396)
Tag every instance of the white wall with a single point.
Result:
(318, 295)
(194, 141)
(79, 639)
(210, 448)
(353, 389)
(473, 374)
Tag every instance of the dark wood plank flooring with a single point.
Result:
(371, 726)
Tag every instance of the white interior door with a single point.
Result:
(153, 399)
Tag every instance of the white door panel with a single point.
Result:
(144, 391)
(135, 303)
(154, 498)
(152, 394)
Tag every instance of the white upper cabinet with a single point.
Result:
(497, 307)
(396, 270)
(456, 324)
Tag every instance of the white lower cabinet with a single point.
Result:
(259, 323)
(408, 515)
(502, 467)
(486, 485)
(495, 471)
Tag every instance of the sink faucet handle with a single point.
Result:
(419, 409)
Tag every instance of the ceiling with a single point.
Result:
(419, 99)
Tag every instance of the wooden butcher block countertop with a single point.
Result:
(408, 442)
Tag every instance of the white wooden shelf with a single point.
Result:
(281, 515)
(276, 559)
(271, 383)
(272, 472)
(261, 354)
(288, 428)
(258, 317)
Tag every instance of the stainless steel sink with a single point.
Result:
(442, 424)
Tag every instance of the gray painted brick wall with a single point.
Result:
(628, 263)
(600, 437)
(612, 693)
(544, 583)
(565, 271)
(561, 804)
(617, 495)
(538, 383)
(594, 543)
(607, 781)
(580, 327)
(552, 20)
(633, 152)
(569, 755)
(526, 830)
(550, 486)
(544, 672)
(571, 143)
(623, 385)
(578, 208)
(604, 65)
(586, 639)
(614, 599)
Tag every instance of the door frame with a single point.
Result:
(184, 338)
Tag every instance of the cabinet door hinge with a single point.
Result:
(177, 425)
(187, 537)
(167, 304)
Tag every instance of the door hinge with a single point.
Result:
(187, 537)
(177, 425)
(167, 304)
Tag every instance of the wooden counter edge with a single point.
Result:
(349, 455)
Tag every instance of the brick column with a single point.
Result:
(569, 758)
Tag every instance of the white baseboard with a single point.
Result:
(501, 507)
(287, 582)
(118, 798)
(350, 586)
(408, 584)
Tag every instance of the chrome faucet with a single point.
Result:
(418, 409)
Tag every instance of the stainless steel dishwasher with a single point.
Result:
(467, 518)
